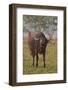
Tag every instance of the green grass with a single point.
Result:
(51, 60)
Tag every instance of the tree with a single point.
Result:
(39, 23)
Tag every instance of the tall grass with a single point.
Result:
(50, 59)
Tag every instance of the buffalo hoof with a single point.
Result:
(44, 65)
(32, 65)
(36, 65)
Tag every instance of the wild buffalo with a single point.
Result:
(37, 43)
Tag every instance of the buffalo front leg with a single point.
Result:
(37, 60)
(44, 59)
(33, 60)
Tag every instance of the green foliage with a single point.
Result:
(38, 22)
(38, 19)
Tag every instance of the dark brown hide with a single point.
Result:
(37, 44)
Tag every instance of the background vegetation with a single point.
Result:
(39, 23)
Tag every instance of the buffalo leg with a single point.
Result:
(44, 59)
(33, 61)
(37, 60)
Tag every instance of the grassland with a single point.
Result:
(51, 59)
